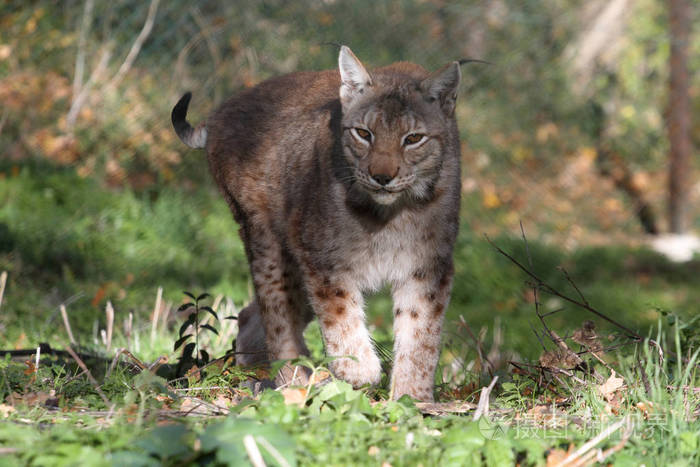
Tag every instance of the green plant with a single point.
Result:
(192, 354)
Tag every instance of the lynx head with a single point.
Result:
(397, 124)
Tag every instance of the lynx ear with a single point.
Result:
(354, 79)
(443, 85)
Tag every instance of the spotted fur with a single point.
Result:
(333, 201)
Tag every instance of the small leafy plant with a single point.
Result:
(192, 354)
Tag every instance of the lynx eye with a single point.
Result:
(363, 134)
(413, 138)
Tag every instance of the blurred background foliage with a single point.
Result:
(100, 201)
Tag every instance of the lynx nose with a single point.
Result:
(382, 179)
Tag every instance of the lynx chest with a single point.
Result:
(391, 254)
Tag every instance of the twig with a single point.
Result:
(165, 315)
(574, 458)
(79, 100)
(527, 247)
(156, 313)
(94, 382)
(3, 281)
(477, 343)
(579, 362)
(553, 312)
(573, 284)
(136, 46)
(119, 353)
(36, 360)
(82, 39)
(537, 335)
(550, 290)
(253, 452)
(482, 408)
(66, 323)
(535, 288)
(643, 374)
(159, 362)
(203, 388)
(608, 452)
(109, 311)
(129, 328)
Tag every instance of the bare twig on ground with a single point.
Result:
(482, 408)
(445, 408)
(153, 367)
(582, 457)
(66, 323)
(92, 379)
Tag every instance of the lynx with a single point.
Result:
(341, 181)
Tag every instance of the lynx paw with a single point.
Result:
(423, 393)
(358, 372)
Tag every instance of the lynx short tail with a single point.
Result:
(193, 137)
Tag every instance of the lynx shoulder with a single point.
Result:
(342, 181)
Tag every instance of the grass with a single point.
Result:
(69, 240)
(337, 425)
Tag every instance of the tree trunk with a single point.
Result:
(678, 115)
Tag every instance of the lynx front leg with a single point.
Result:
(339, 308)
(419, 308)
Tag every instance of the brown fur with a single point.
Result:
(319, 227)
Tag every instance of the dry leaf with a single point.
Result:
(294, 396)
(645, 408)
(320, 376)
(557, 456)
(610, 391)
(6, 410)
(608, 388)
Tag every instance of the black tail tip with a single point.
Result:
(179, 113)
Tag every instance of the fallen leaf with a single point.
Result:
(294, 396)
(612, 385)
(557, 456)
(320, 376)
(6, 410)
